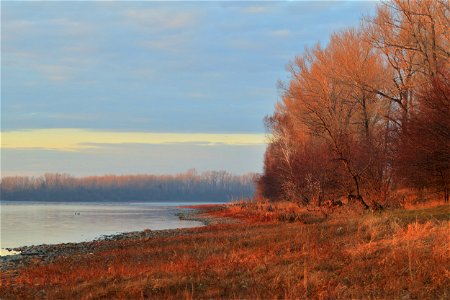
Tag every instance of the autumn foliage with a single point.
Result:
(366, 115)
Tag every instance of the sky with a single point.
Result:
(91, 88)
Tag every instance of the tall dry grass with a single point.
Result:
(394, 255)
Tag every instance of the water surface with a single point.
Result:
(25, 223)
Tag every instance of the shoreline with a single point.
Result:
(46, 253)
(250, 257)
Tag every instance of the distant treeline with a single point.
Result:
(211, 186)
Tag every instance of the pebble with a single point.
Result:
(47, 253)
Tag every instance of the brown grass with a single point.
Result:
(395, 255)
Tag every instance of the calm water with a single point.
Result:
(24, 224)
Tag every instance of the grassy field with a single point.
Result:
(268, 252)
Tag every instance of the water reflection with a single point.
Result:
(50, 223)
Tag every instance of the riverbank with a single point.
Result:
(35, 223)
(264, 254)
(47, 253)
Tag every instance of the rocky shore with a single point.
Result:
(199, 213)
(47, 253)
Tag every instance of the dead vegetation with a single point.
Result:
(399, 254)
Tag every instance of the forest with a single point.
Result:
(211, 186)
(366, 118)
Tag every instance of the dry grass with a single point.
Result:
(414, 199)
(395, 255)
(265, 211)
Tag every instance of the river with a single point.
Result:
(26, 223)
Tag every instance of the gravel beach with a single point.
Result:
(42, 254)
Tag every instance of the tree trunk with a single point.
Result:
(358, 196)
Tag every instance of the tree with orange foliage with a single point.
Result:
(325, 105)
(359, 97)
(413, 37)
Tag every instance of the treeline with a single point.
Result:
(212, 186)
(368, 114)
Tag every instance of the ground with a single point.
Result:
(254, 251)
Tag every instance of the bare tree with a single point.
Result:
(424, 161)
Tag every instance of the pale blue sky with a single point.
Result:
(168, 67)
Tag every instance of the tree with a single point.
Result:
(414, 40)
(362, 105)
(424, 161)
(325, 95)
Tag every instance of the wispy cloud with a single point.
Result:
(55, 72)
(71, 27)
(156, 19)
(198, 96)
(15, 28)
(244, 44)
(280, 33)
(256, 9)
(83, 139)
(167, 43)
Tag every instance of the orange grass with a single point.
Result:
(387, 256)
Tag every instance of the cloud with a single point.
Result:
(55, 72)
(256, 9)
(198, 95)
(55, 47)
(167, 43)
(65, 139)
(15, 28)
(72, 28)
(133, 159)
(156, 19)
(280, 33)
(244, 44)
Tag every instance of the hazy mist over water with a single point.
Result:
(24, 224)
